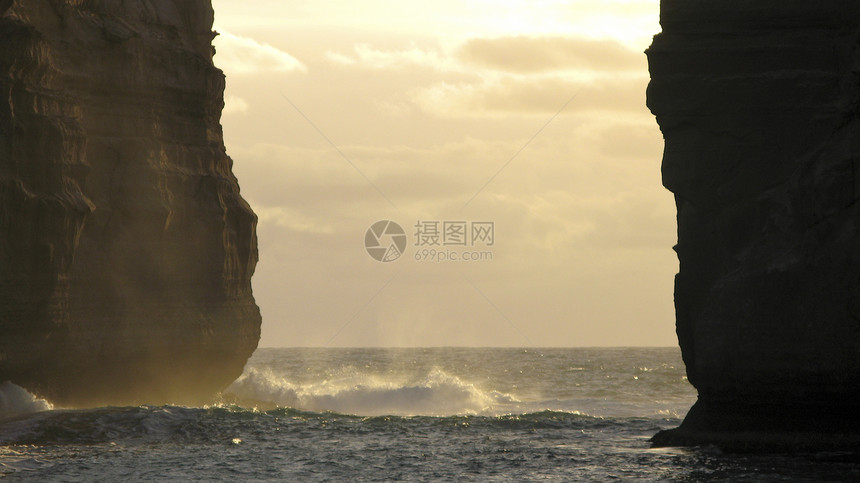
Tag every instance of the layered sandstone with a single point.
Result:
(126, 251)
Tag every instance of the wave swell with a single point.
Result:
(16, 401)
(435, 394)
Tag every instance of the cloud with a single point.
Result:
(292, 219)
(244, 55)
(365, 56)
(580, 229)
(523, 54)
(515, 54)
(234, 105)
(531, 95)
(430, 115)
(565, 186)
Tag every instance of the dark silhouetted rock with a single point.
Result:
(758, 103)
(126, 251)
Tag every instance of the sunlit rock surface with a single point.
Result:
(126, 251)
(758, 103)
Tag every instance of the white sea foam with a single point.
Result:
(15, 400)
(435, 394)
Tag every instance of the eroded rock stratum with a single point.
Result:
(758, 103)
(126, 251)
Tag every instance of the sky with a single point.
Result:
(508, 139)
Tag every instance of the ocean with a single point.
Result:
(336, 414)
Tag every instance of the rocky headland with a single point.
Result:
(759, 105)
(126, 251)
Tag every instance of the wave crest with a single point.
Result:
(435, 394)
(15, 401)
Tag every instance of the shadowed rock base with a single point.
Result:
(751, 428)
(758, 103)
(126, 251)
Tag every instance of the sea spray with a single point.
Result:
(15, 401)
(433, 393)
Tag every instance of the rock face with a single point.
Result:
(126, 251)
(759, 104)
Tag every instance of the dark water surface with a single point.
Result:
(410, 414)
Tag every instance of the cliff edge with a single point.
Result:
(126, 251)
(759, 104)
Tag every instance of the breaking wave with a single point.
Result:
(435, 394)
(16, 401)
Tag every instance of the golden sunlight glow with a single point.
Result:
(527, 113)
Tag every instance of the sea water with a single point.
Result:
(461, 414)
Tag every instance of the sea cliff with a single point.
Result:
(759, 105)
(126, 250)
